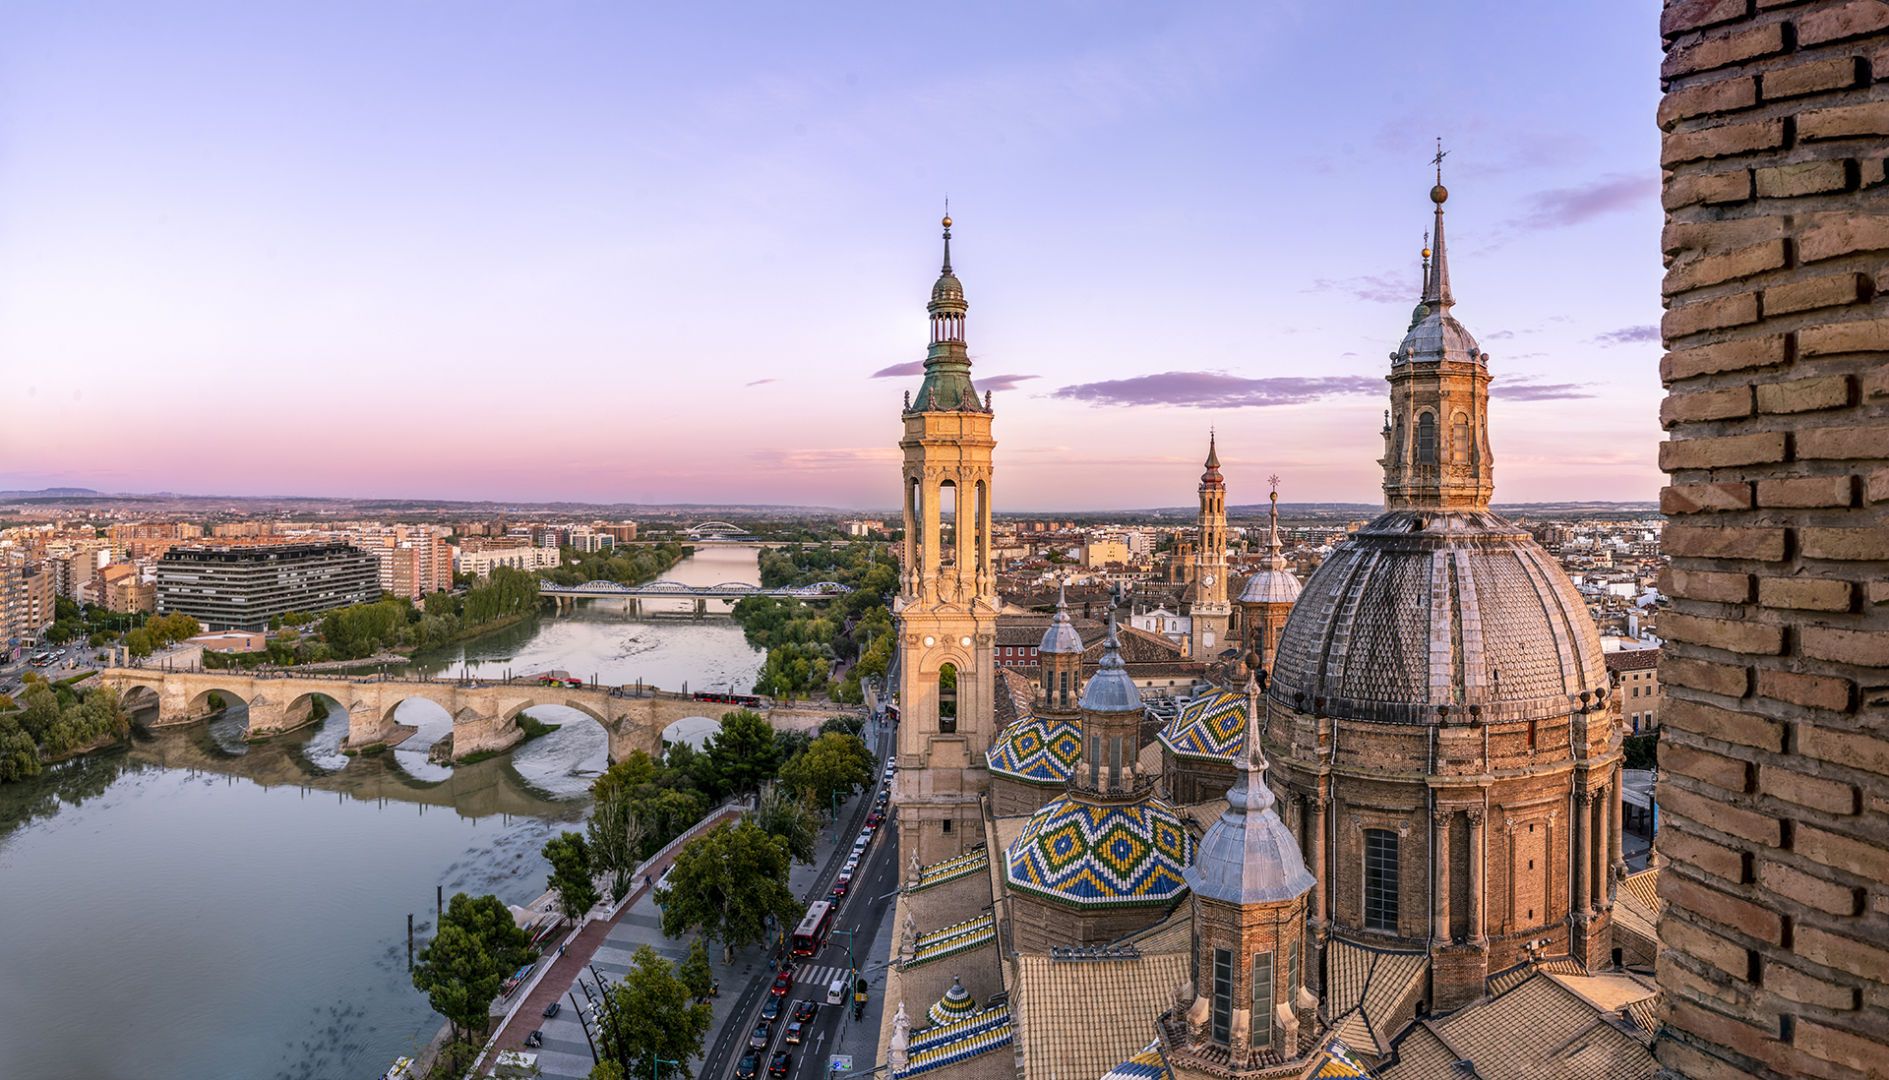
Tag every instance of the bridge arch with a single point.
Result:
(716, 528)
(137, 698)
(510, 715)
(201, 706)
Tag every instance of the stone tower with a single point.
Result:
(1210, 611)
(1268, 597)
(1774, 755)
(1060, 658)
(1249, 886)
(1440, 730)
(947, 603)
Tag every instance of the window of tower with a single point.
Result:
(1380, 880)
(915, 521)
(947, 523)
(1459, 439)
(1065, 688)
(1292, 970)
(981, 528)
(948, 699)
(1222, 994)
(1426, 439)
(1262, 999)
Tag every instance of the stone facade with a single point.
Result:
(1775, 778)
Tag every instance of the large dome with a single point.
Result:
(1426, 609)
(1086, 853)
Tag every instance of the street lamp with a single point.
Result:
(657, 1063)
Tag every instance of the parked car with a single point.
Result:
(747, 1066)
(763, 1034)
(780, 1064)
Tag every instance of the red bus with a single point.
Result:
(810, 935)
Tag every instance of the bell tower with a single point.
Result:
(1210, 613)
(947, 603)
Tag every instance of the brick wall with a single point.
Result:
(1775, 758)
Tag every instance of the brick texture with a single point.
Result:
(1774, 679)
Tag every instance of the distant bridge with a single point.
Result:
(718, 530)
(727, 590)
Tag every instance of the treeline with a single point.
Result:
(623, 565)
(159, 631)
(52, 722)
(806, 642)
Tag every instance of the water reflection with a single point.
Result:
(563, 763)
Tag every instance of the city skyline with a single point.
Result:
(493, 264)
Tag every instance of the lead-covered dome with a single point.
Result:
(1425, 609)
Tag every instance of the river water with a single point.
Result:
(196, 906)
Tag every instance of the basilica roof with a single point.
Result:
(1211, 727)
(1145, 1064)
(960, 1040)
(1249, 856)
(1037, 750)
(956, 1004)
(1086, 852)
(1425, 609)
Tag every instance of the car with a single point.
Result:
(851, 867)
(747, 1066)
(864, 838)
(783, 982)
(805, 1009)
(763, 1034)
(835, 897)
(841, 884)
(553, 1009)
(874, 819)
(795, 1031)
(780, 1064)
(771, 1009)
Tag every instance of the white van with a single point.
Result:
(836, 991)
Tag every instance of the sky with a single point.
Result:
(661, 253)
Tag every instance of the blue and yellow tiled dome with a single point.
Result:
(956, 1004)
(1211, 727)
(1037, 750)
(1090, 853)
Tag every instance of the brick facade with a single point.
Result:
(1775, 779)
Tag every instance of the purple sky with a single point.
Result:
(681, 252)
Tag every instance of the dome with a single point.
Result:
(1061, 637)
(1436, 336)
(1037, 750)
(1146, 1064)
(1271, 587)
(956, 1004)
(947, 289)
(1423, 609)
(1088, 853)
(1211, 727)
(1111, 689)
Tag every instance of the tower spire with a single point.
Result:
(946, 268)
(1275, 550)
(1436, 286)
(1213, 451)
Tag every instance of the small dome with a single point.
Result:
(1421, 609)
(1271, 587)
(1111, 689)
(956, 1004)
(1061, 637)
(1088, 853)
(1249, 856)
(1436, 336)
(948, 289)
(1037, 750)
(1210, 727)
(1147, 1064)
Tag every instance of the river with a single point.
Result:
(197, 907)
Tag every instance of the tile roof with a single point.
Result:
(1037, 750)
(1370, 992)
(1509, 978)
(1632, 659)
(1084, 852)
(1543, 1029)
(1643, 1014)
(1147, 1064)
(1080, 1018)
(960, 1040)
(1420, 1055)
(954, 939)
(971, 862)
(957, 1004)
(1337, 1060)
(1210, 727)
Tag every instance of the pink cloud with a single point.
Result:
(915, 367)
(1217, 390)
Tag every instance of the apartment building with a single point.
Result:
(244, 587)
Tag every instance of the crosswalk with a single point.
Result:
(813, 981)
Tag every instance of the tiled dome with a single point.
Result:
(1211, 727)
(1087, 853)
(1037, 750)
(1425, 609)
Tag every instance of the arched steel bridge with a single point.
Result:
(727, 590)
(718, 530)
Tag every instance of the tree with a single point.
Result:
(728, 883)
(789, 817)
(139, 643)
(571, 874)
(743, 751)
(832, 762)
(463, 967)
(19, 755)
(696, 972)
(616, 837)
(651, 1015)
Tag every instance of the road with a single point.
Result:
(861, 915)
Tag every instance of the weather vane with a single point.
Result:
(1438, 159)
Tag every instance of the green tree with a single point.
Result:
(139, 643)
(696, 972)
(743, 751)
(833, 762)
(462, 968)
(788, 816)
(651, 1015)
(570, 875)
(616, 833)
(19, 754)
(728, 883)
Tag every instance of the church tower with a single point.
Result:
(1210, 611)
(1268, 596)
(947, 603)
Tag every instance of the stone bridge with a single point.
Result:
(485, 714)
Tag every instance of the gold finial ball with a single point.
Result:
(1426, 253)
(1438, 194)
(947, 221)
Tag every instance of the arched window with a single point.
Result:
(948, 699)
(1426, 439)
(1380, 879)
(1222, 995)
(1459, 440)
(947, 523)
(1065, 689)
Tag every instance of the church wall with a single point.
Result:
(1776, 763)
(1039, 925)
(1014, 798)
